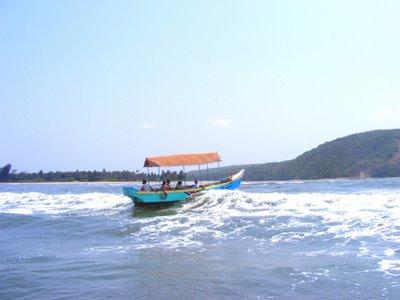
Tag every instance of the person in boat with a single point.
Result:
(164, 186)
(169, 184)
(196, 184)
(179, 185)
(146, 187)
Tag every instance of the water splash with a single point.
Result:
(271, 219)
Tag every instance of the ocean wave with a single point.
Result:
(271, 219)
(281, 217)
(364, 225)
(39, 203)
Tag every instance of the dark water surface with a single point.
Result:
(315, 239)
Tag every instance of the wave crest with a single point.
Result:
(275, 218)
(39, 203)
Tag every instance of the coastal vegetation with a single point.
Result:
(369, 154)
(6, 175)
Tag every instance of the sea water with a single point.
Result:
(327, 239)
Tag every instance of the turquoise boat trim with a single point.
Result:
(160, 197)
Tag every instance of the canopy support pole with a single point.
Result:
(208, 180)
(200, 176)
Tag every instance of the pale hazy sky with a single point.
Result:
(103, 84)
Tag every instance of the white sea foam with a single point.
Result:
(276, 218)
(39, 203)
(390, 266)
(376, 211)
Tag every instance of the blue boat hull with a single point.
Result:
(173, 196)
(231, 186)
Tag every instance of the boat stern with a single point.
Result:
(129, 191)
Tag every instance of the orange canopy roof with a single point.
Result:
(182, 160)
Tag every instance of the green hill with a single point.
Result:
(369, 154)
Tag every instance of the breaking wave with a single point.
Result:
(368, 222)
(348, 215)
(39, 203)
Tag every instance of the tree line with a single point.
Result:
(9, 175)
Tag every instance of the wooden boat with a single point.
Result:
(171, 196)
